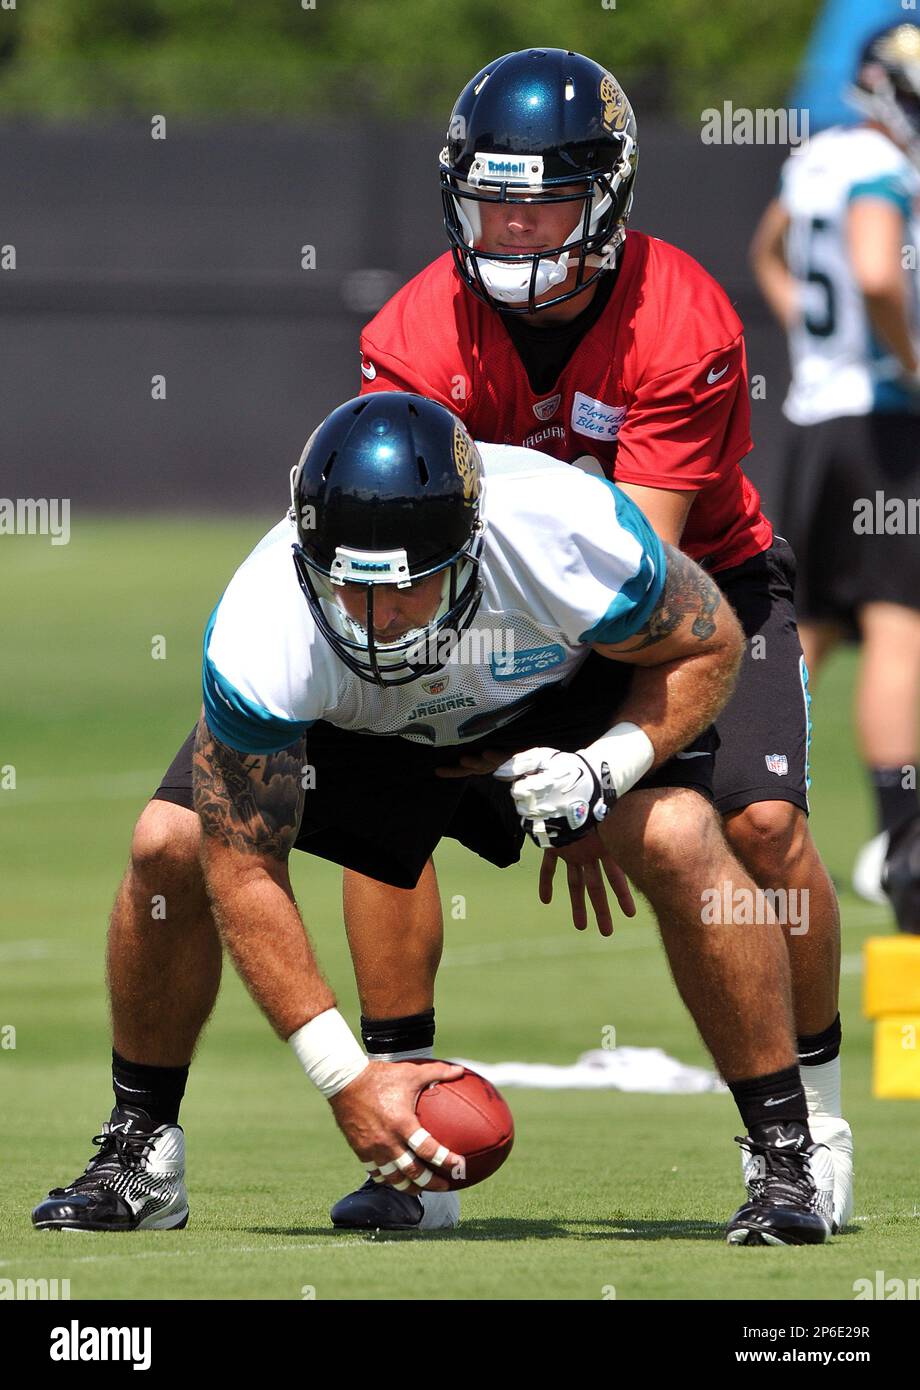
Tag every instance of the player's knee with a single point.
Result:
(767, 836)
(682, 831)
(164, 847)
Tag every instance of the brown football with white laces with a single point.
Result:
(471, 1118)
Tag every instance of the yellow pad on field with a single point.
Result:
(896, 1058)
(891, 979)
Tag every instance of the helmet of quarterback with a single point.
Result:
(388, 491)
(547, 126)
(887, 87)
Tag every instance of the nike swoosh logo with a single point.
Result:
(782, 1100)
(370, 371)
(713, 377)
(785, 1143)
(693, 755)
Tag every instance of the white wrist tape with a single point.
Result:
(627, 750)
(329, 1052)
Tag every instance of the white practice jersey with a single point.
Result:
(838, 365)
(568, 560)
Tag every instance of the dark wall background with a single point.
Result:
(181, 257)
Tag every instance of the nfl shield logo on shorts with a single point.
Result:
(777, 762)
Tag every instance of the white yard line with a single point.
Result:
(333, 1244)
(494, 952)
(110, 786)
(12, 951)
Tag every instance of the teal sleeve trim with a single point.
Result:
(888, 186)
(631, 607)
(238, 721)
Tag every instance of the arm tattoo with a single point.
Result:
(688, 592)
(246, 802)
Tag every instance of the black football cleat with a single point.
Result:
(135, 1182)
(901, 875)
(378, 1206)
(788, 1185)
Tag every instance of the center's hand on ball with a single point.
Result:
(376, 1113)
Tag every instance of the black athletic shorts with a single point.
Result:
(765, 729)
(832, 473)
(378, 808)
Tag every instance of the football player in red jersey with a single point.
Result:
(549, 325)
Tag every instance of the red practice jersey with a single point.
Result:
(656, 390)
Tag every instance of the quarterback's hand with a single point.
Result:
(376, 1113)
(583, 862)
(559, 796)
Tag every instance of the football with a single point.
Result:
(471, 1118)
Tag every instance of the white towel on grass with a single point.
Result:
(647, 1069)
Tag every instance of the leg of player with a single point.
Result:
(773, 842)
(818, 641)
(164, 965)
(887, 701)
(735, 983)
(395, 936)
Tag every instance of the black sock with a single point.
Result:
(156, 1090)
(894, 802)
(816, 1048)
(777, 1099)
(398, 1034)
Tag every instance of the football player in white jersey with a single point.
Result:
(836, 256)
(411, 613)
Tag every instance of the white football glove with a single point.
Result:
(559, 796)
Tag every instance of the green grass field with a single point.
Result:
(602, 1190)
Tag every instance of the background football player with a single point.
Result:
(318, 654)
(836, 257)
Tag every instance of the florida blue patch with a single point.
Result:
(513, 666)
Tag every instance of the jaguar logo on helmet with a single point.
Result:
(616, 108)
(467, 463)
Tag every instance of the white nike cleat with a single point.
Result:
(135, 1182)
(831, 1164)
(790, 1192)
(836, 1134)
(867, 871)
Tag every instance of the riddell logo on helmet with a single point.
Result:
(505, 166)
